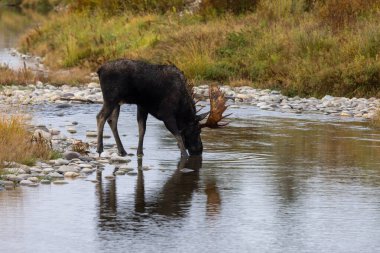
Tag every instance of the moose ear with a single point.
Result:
(202, 116)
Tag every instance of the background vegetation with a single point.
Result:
(304, 47)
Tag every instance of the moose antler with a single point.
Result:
(217, 108)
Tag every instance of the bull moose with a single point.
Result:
(159, 90)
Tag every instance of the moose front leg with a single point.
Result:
(142, 116)
(171, 125)
(112, 121)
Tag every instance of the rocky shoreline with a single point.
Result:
(75, 165)
(270, 100)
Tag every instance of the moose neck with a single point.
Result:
(186, 113)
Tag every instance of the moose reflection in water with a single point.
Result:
(172, 200)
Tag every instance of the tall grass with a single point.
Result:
(15, 142)
(308, 47)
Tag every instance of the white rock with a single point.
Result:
(71, 130)
(26, 182)
(71, 174)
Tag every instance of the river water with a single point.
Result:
(268, 182)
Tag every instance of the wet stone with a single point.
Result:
(13, 178)
(55, 175)
(91, 134)
(84, 165)
(26, 182)
(71, 130)
(87, 170)
(35, 170)
(47, 170)
(45, 181)
(63, 106)
(120, 173)
(68, 168)
(59, 182)
(69, 155)
(33, 179)
(61, 161)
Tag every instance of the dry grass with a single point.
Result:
(16, 144)
(16, 77)
(73, 76)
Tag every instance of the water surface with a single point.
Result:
(268, 182)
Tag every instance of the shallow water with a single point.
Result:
(268, 182)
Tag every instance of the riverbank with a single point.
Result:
(270, 100)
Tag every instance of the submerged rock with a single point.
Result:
(60, 182)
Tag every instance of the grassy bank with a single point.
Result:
(16, 144)
(308, 48)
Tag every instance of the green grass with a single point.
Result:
(298, 47)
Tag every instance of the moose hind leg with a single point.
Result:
(101, 118)
(112, 121)
(142, 116)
